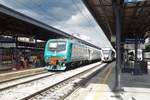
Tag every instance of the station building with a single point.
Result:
(12, 53)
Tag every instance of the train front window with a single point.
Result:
(105, 51)
(57, 46)
(139, 52)
(52, 45)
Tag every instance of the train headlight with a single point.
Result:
(64, 57)
(64, 65)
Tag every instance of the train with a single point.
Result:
(64, 54)
(107, 54)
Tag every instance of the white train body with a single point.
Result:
(94, 54)
(107, 54)
(82, 52)
(79, 52)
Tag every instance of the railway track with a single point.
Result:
(6, 77)
(34, 89)
(18, 81)
(63, 89)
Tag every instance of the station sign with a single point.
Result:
(6, 40)
(132, 41)
(127, 1)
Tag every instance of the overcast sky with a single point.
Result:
(70, 16)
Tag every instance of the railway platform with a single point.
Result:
(135, 87)
(10, 75)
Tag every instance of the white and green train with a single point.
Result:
(63, 54)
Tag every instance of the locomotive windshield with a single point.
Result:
(57, 46)
(105, 51)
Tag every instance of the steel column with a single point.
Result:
(36, 46)
(35, 43)
(135, 62)
(118, 51)
(16, 41)
(137, 69)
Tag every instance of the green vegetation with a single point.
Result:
(147, 47)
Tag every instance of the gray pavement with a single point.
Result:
(136, 87)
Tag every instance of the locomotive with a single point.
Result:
(63, 54)
(107, 54)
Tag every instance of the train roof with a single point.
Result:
(106, 48)
(58, 39)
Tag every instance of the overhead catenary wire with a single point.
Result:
(84, 16)
(98, 31)
(81, 12)
(44, 10)
(88, 14)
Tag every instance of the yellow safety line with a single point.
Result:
(97, 95)
(105, 71)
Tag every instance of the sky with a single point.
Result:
(70, 16)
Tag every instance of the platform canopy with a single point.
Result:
(134, 16)
(14, 23)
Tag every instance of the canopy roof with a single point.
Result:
(134, 15)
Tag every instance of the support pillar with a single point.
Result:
(137, 69)
(16, 41)
(35, 43)
(117, 87)
(36, 46)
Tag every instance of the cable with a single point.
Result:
(96, 23)
(84, 15)
(80, 11)
(93, 20)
